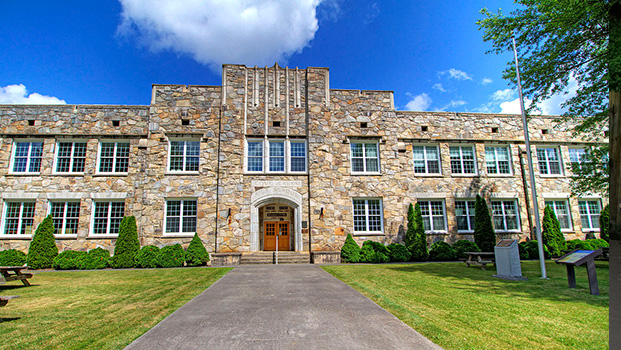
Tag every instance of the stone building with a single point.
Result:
(275, 153)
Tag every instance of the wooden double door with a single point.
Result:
(272, 229)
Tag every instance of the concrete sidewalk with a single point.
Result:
(281, 307)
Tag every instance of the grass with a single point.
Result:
(466, 308)
(104, 309)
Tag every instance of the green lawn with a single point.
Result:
(104, 309)
(466, 308)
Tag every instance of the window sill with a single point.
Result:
(65, 236)
(428, 175)
(551, 175)
(178, 235)
(369, 234)
(465, 232)
(68, 174)
(513, 232)
(191, 173)
(436, 233)
(366, 174)
(110, 174)
(500, 175)
(24, 174)
(275, 173)
(464, 175)
(25, 237)
(102, 237)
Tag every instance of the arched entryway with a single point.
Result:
(276, 213)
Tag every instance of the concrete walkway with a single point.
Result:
(281, 307)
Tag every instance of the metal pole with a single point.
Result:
(530, 168)
(277, 234)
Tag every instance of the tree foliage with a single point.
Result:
(43, 249)
(553, 239)
(604, 223)
(196, 254)
(484, 235)
(557, 41)
(350, 253)
(419, 247)
(127, 244)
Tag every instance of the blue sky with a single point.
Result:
(430, 53)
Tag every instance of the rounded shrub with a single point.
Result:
(533, 250)
(43, 249)
(97, 258)
(12, 257)
(196, 254)
(70, 260)
(398, 252)
(442, 251)
(171, 256)
(350, 253)
(464, 245)
(381, 252)
(368, 255)
(523, 251)
(598, 243)
(580, 244)
(147, 257)
(127, 244)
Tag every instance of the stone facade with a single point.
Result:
(313, 185)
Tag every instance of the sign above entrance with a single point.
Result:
(260, 183)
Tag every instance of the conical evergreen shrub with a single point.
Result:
(43, 249)
(127, 244)
(419, 248)
(196, 254)
(553, 239)
(410, 234)
(350, 253)
(604, 223)
(484, 235)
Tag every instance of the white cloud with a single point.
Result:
(456, 74)
(17, 94)
(453, 104)
(503, 95)
(486, 81)
(419, 103)
(551, 106)
(511, 107)
(213, 32)
(439, 87)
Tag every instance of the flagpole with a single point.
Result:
(531, 172)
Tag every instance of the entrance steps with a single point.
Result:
(285, 257)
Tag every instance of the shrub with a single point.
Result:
(598, 243)
(463, 246)
(523, 251)
(171, 256)
(367, 254)
(12, 257)
(97, 258)
(43, 249)
(350, 253)
(484, 235)
(410, 234)
(127, 244)
(398, 252)
(442, 251)
(604, 224)
(532, 248)
(579, 244)
(551, 233)
(146, 257)
(381, 252)
(70, 260)
(419, 248)
(196, 255)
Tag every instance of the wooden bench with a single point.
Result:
(4, 299)
(14, 273)
(480, 259)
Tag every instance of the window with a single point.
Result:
(589, 214)
(183, 156)
(71, 157)
(281, 156)
(549, 161)
(65, 216)
(181, 216)
(505, 215)
(367, 216)
(277, 156)
(27, 157)
(464, 212)
(577, 156)
(561, 210)
(426, 160)
(255, 156)
(113, 157)
(18, 218)
(462, 160)
(364, 157)
(298, 156)
(497, 160)
(107, 217)
(433, 215)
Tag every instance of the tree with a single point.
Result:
(551, 232)
(558, 41)
(484, 235)
(604, 224)
(127, 244)
(43, 249)
(196, 254)
(419, 247)
(410, 234)
(351, 251)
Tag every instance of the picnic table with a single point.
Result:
(480, 259)
(14, 273)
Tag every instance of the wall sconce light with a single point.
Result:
(321, 214)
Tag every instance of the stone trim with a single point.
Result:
(109, 195)
(67, 195)
(20, 195)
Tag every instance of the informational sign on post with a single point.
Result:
(507, 257)
(578, 258)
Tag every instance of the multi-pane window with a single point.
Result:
(255, 156)
(107, 217)
(589, 214)
(497, 160)
(464, 212)
(367, 215)
(181, 216)
(27, 157)
(184, 155)
(70, 157)
(433, 215)
(278, 155)
(298, 156)
(577, 155)
(549, 161)
(561, 210)
(66, 216)
(114, 157)
(426, 159)
(462, 160)
(364, 157)
(18, 218)
(505, 215)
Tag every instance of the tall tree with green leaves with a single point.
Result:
(560, 41)
(127, 244)
(604, 223)
(484, 235)
(551, 232)
(43, 249)
(410, 234)
(419, 249)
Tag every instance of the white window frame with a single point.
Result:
(579, 159)
(589, 214)
(20, 218)
(28, 157)
(554, 202)
(269, 156)
(61, 233)
(108, 217)
(114, 157)
(366, 216)
(429, 206)
(365, 158)
(504, 215)
(496, 160)
(182, 205)
(426, 159)
(72, 157)
(185, 140)
(290, 156)
(265, 156)
(461, 160)
(547, 161)
(468, 214)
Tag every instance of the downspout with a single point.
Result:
(308, 177)
(525, 187)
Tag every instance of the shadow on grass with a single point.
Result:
(15, 286)
(9, 319)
